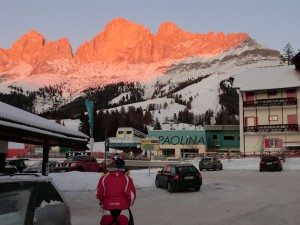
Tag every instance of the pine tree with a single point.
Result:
(157, 125)
(288, 53)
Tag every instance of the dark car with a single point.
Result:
(19, 163)
(210, 163)
(270, 162)
(37, 167)
(32, 199)
(10, 169)
(179, 176)
(82, 163)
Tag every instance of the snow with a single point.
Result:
(21, 119)
(268, 78)
(239, 194)
(78, 181)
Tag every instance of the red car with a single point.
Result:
(83, 163)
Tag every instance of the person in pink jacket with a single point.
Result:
(116, 193)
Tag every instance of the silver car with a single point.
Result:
(37, 167)
(32, 199)
(210, 163)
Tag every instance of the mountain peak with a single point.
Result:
(120, 41)
(33, 48)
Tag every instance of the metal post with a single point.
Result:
(150, 163)
(106, 146)
(45, 159)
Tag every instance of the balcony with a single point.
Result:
(271, 102)
(272, 128)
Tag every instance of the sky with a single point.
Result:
(269, 22)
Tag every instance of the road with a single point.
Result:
(226, 198)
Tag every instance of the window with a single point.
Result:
(273, 118)
(168, 152)
(228, 136)
(290, 93)
(273, 142)
(250, 96)
(272, 92)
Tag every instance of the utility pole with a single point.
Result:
(106, 146)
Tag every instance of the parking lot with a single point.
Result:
(233, 197)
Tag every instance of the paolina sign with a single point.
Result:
(179, 137)
(181, 140)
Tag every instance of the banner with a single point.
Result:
(90, 108)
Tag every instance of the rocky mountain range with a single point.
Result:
(128, 52)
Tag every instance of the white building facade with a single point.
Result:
(269, 110)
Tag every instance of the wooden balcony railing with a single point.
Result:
(272, 128)
(271, 102)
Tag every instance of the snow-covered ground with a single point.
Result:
(237, 195)
(77, 181)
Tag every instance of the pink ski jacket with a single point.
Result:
(116, 190)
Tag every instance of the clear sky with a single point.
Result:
(272, 23)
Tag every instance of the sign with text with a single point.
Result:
(150, 144)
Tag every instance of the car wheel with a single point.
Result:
(170, 187)
(80, 169)
(207, 169)
(260, 170)
(221, 167)
(197, 188)
(201, 169)
(157, 184)
(100, 170)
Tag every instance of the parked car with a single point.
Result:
(210, 163)
(270, 162)
(37, 167)
(179, 176)
(19, 163)
(32, 199)
(83, 163)
(10, 169)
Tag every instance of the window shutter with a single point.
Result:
(291, 93)
(267, 143)
(280, 142)
(292, 119)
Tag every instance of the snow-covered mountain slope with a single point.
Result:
(158, 79)
(205, 93)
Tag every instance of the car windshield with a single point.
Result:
(186, 169)
(75, 158)
(206, 159)
(14, 201)
(269, 159)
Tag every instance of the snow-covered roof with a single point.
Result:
(19, 119)
(268, 78)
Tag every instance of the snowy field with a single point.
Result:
(239, 194)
